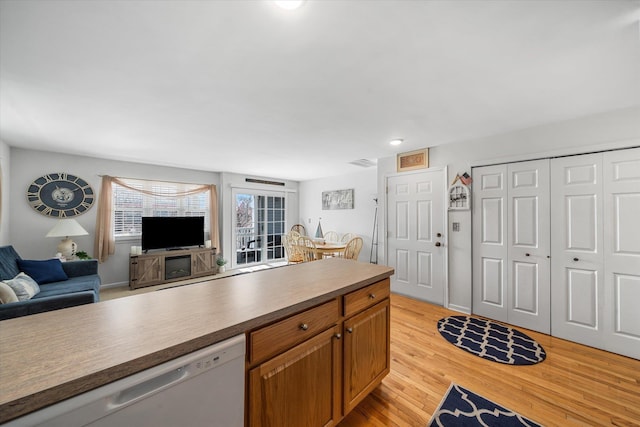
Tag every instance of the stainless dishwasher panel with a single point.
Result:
(203, 388)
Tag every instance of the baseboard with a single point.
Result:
(461, 309)
(113, 285)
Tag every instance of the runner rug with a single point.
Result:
(461, 407)
(491, 340)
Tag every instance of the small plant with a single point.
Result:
(82, 255)
(220, 261)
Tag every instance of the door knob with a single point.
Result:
(438, 244)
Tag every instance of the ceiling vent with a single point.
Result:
(365, 163)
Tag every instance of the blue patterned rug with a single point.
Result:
(491, 340)
(461, 407)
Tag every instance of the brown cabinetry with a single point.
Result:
(165, 266)
(314, 367)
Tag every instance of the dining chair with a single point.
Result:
(331, 236)
(300, 229)
(352, 250)
(294, 254)
(347, 236)
(307, 247)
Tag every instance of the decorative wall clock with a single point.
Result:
(60, 195)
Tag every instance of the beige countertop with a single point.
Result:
(48, 357)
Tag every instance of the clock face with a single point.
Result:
(60, 195)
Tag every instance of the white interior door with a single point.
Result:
(490, 248)
(529, 246)
(622, 251)
(511, 246)
(578, 264)
(415, 234)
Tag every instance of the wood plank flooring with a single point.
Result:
(575, 386)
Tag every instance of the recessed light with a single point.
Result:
(395, 141)
(289, 4)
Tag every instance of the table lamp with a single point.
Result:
(65, 228)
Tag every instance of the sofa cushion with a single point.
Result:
(73, 284)
(7, 294)
(8, 266)
(43, 271)
(24, 286)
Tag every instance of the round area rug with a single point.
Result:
(491, 340)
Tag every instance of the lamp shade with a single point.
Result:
(67, 227)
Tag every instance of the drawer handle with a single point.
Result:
(350, 330)
(304, 326)
(372, 296)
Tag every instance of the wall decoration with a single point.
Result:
(459, 193)
(413, 160)
(337, 199)
(60, 195)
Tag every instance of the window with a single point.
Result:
(129, 206)
(260, 224)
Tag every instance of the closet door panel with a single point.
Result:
(489, 242)
(528, 245)
(622, 251)
(577, 293)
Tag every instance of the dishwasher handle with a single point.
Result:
(146, 388)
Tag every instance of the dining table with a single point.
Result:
(329, 248)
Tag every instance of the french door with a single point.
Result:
(260, 219)
(415, 235)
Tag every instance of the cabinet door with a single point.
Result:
(147, 271)
(300, 387)
(202, 262)
(366, 353)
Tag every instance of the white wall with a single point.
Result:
(358, 220)
(28, 228)
(5, 185)
(610, 130)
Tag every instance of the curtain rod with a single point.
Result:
(156, 180)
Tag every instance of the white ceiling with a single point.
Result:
(243, 86)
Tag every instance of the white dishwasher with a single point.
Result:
(203, 388)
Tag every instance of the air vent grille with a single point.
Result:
(365, 163)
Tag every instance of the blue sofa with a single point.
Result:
(81, 287)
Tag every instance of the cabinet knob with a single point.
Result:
(576, 259)
(338, 336)
(439, 235)
(438, 244)
(350, 330)
(304, 326)
(372, 296)
(527, 254)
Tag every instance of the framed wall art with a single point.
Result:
(337, 199)
(413, 160)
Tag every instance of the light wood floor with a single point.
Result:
(575, 386)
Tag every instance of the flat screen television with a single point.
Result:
(172, 232)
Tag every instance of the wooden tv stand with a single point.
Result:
(163, 266)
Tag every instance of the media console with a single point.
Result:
(157, 267)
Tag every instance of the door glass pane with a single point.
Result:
(260, 223)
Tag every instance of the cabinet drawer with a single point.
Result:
(366, 297)
(275, 338)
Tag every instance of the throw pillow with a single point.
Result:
(24, 286)
(43, 271)
(7, 294)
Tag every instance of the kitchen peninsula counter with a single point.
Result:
(48, 357)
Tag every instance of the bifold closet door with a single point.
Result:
(596, 250)
(511, 245)
(576, 245)
(622, 251)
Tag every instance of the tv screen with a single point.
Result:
(172, 232)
